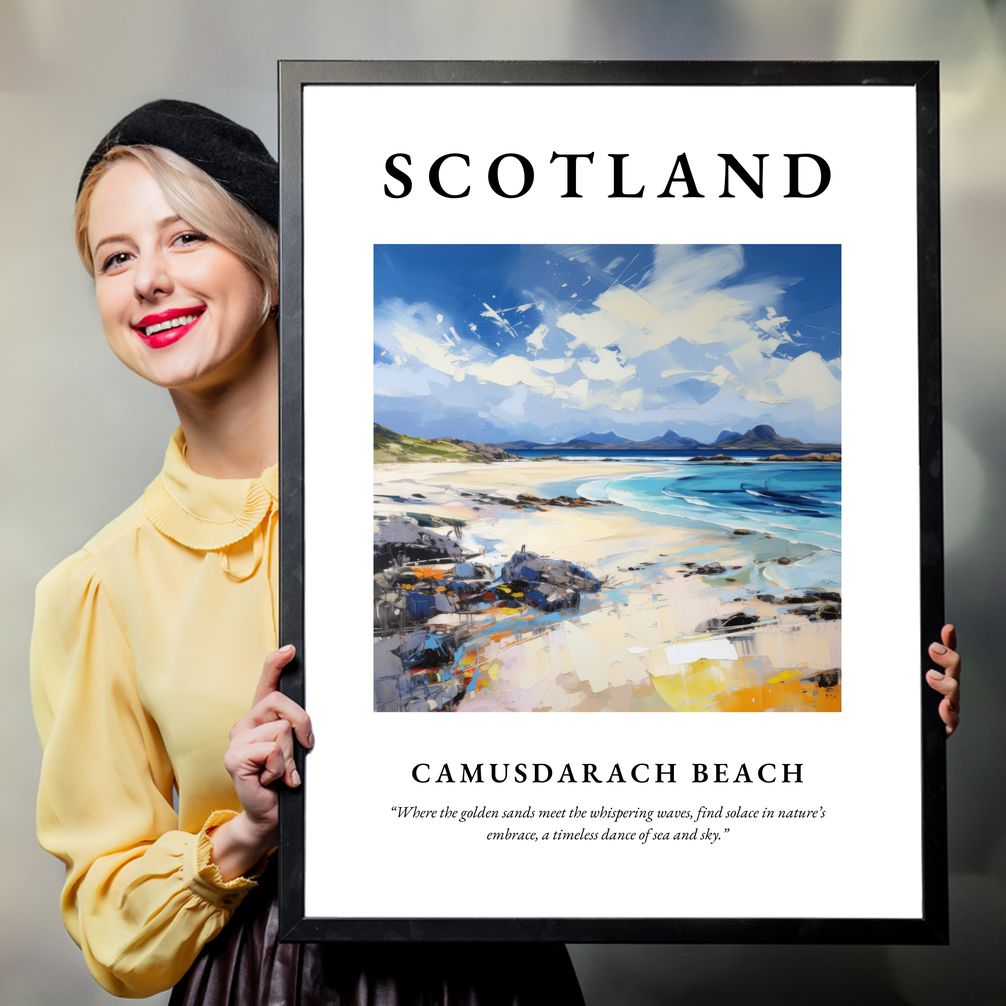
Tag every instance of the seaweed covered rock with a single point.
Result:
(812, 456)
(548, 584)
(400, 541)
(736, 622)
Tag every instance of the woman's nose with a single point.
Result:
(152, 277)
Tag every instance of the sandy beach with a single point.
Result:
(688, 617)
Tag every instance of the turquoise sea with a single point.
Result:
(798, 501)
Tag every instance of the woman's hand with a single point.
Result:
(260, 753)
(948, 681)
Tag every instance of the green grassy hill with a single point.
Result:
(394, 447)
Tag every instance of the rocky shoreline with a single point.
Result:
(421, 574)
(488, 451)
(812, 456)
(491, 595)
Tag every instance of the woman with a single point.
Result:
(148, 643)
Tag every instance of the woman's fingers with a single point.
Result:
(949, 688)
(271, 671)
(277, 706)
(947, 658)
(944, 684)
(947, 681)
(270, 703)
(277, 735)
(261, 749)
(259, 760)
(274, 766)
(949, 636)
(945, 653)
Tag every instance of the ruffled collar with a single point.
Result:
(203, 513)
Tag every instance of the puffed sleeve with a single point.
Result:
(141, 898)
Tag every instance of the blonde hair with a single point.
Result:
(199, 200)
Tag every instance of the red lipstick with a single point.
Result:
(166, 327)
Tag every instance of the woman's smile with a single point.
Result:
(166, 327)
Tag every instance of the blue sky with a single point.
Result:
(547, 343)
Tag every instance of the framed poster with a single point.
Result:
(601, 320)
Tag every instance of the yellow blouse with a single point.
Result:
(147, 647)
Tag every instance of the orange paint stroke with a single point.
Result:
(726, 686)
(427, 573)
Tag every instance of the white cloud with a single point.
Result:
(595, 330)
(772, 322)
(536, 340)
(808, 376)
(628, 305)
(552, 366)
(604, 396)
(406, 344)
(508, 371)
(607, 368)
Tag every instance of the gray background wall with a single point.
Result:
(81, 436)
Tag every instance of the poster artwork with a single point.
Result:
(607, 477)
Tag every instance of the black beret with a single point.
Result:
(230, 154)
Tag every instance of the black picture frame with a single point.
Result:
(931, 927)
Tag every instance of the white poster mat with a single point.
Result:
(863, 858)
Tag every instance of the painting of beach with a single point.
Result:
(607, 478)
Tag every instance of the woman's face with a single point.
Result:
(177, 308)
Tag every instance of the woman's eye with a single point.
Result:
(114, 261)
(190, 238)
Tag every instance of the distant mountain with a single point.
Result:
(600, 438)
(524, 445)
(727, 437)
(761, 437)
(670, 441)
(669, 435)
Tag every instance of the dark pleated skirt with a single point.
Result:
(246, 965)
